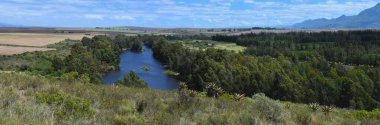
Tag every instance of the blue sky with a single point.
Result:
(174, 13)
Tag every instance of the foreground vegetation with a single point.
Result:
(27, 99)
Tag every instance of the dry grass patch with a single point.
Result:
(229, 46)
(11, 50)
(36, 39)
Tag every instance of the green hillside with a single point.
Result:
(27, 99)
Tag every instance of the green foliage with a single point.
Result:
(67, 106)
(185, 95)
(128, 120)
(213, 90)
(354, 47)
(50, 99)
(145, 68)
(362, 114)
(141, 105)
(270, 109)
(71, 76)
(98, 55)
(132, 80)
(238, 97)
(299, 77)
(314, 106)
(74, 76)
(327, 109)
(137, 46)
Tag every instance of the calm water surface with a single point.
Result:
(155, 77)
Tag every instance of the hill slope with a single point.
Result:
(369, 18)
(27, 99)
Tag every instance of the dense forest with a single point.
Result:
(349, 47)
(291, 66)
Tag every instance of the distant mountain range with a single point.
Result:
(6, 25)
(369, 18)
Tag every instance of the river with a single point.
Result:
(155, 77)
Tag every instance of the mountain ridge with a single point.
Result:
(368, 18)
(2, 25)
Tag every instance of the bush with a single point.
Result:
(270, 109)
(67, 106)
(141, 105)
(185, 95)
(362, 114)
(213, 90)
(128, 120)
(238, 97)
(314, 106)
(132, 80)
(71, 76)
(327, 109)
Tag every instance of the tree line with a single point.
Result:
(350, 47)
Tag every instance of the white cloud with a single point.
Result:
(248, 1)
(93, 16)
(124, 17)
(219, 13)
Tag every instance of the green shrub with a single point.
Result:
(185, 95)
(127, 107)
(270, 109)
(303, 119)
(238, 97)
(192, 93)
(314, 106)
(67, 106)
(362, 114)
(247, 118)
(141, 105)
(213, 90)
(71, 76)
(128, 120)
(327, 109)
(132, 80)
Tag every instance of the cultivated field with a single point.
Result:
(36, 39)
(229, 46)
(204, 44)
(10, 50)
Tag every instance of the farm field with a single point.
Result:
(229, 46)
(11, 50)
(204, 44)
(36, 39)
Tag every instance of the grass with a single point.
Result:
(28, 99)
(229, 46)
